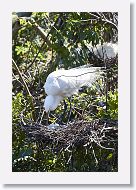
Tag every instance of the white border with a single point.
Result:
(123, 174)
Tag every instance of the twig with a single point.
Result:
(26, 87)
(35, 56)
(103, 146)
(41, 33)
(54, 26)
(104, 19)
(41, 117)
(111, 23)
(96, 161)
(16, 79)
(43, 36)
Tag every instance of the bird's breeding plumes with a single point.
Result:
(64, 83)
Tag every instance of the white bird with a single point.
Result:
(107, 50)
(64, 83)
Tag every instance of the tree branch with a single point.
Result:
(26, 87)
(41, 33)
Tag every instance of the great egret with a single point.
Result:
(107, 50)
(64, 83)
(104, 51)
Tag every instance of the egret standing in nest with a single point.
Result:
(64, 83)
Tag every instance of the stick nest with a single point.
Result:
(75, 134)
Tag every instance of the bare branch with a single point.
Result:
(26, 87)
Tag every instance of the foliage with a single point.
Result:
(20, 105)
(112, 106)
(43, 43)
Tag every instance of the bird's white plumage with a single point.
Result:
(64, 83)
(107, 50)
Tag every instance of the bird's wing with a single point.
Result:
(60, 83)
(67, 82)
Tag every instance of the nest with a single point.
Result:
(78, 133)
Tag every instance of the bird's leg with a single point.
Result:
(65, 106)
(47, 118)
(63, 114)
(70, 109)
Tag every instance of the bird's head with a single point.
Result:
(52, 102)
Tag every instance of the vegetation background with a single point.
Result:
(42, 43)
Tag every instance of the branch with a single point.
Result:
(111, 23)
(44, 36)
(104, 19)
(26, 87)
(36, 56)
(41, 33)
